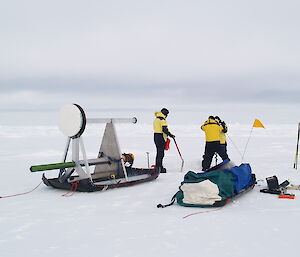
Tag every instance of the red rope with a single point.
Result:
(22, 193)
(72, 189)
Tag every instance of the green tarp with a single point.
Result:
(224, 181)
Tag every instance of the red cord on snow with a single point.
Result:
(68, 194)
(72, 190)
(22, 193)
(203, 212)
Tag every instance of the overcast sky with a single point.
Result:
(164, 51)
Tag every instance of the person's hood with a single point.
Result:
(159, 114)
(211, 121)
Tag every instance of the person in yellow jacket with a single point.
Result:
(161, 133)
(212, 131)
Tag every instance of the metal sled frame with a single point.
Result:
(109, 163)
(110, 170)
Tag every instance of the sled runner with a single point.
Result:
(215, 187)
(112, 169)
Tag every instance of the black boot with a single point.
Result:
(162, 170)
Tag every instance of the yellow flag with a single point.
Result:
(258, 124)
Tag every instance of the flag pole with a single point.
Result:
(256, 124)
(297, 148)
(247, 144)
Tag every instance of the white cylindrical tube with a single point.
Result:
(113, 120)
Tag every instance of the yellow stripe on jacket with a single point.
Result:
(222, 138)
(222, 134)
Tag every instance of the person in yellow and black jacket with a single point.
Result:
(212, 131)
(223, 142)
(161, 133)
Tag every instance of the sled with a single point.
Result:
(215, 187)
(112, 169)
(135, 176)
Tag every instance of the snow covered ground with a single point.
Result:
(125, 222)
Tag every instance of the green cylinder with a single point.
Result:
(52, 166)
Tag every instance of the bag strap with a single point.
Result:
(166, 205)
(271, 191)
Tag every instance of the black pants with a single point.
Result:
(210, 149)
(224, 147)
(160, 149)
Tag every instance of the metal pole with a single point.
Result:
(75, 150)
(112, 120)
(148, 160)
(87, 168)
(65, 154)
(247, 144)
(297, 148)
(216, 158)
(122, 161)
(66, 149)
(179, 155)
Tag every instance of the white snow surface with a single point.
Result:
(125, 222)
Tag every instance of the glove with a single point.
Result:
(172, 136)
(217, 118)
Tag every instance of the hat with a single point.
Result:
(165, 111)
(211, 117)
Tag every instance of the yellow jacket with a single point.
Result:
(212, 130)
(159, 123)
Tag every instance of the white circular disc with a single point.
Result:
(71, 120)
